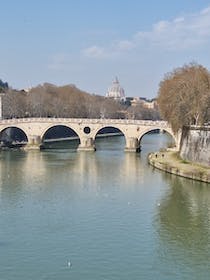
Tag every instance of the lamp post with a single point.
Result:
(1, 104)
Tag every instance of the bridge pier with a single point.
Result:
(86, 144)
(132, 145)
(34, 142)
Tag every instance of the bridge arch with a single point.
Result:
(151, 129)
(59, 132)
(107, 131)
(13, 135)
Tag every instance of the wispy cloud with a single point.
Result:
(179, 34)
(59, 61)
(188, 32)
(114, 50)
(95, 51)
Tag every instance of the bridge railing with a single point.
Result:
(86, 121)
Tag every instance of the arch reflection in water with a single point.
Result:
(27, 169)
(51, 169)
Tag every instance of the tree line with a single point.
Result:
(183, 100)
(67, 101)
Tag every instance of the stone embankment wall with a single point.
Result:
(195, 144)
(170, 162)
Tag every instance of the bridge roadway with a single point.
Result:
(87, 129)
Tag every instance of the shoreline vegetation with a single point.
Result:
(170, 162)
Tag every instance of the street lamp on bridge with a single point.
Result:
(1, 104)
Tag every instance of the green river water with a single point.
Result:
(100, 216)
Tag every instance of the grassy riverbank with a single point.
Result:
(170, 162)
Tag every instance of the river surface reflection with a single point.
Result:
(102, 215)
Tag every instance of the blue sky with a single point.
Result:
(89, 42)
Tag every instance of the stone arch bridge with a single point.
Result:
(87, 129)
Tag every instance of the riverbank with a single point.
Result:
(169, 161)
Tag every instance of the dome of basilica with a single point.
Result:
(116, 91)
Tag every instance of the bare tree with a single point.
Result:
(14, 104)
(184, 96)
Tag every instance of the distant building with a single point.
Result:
(115, 91)
(149, 104)
(27, 90)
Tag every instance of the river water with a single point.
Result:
(104, 215)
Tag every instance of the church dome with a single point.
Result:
(116, 91)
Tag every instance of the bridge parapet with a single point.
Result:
(86, 121)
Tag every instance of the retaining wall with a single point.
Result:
(195, 144)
